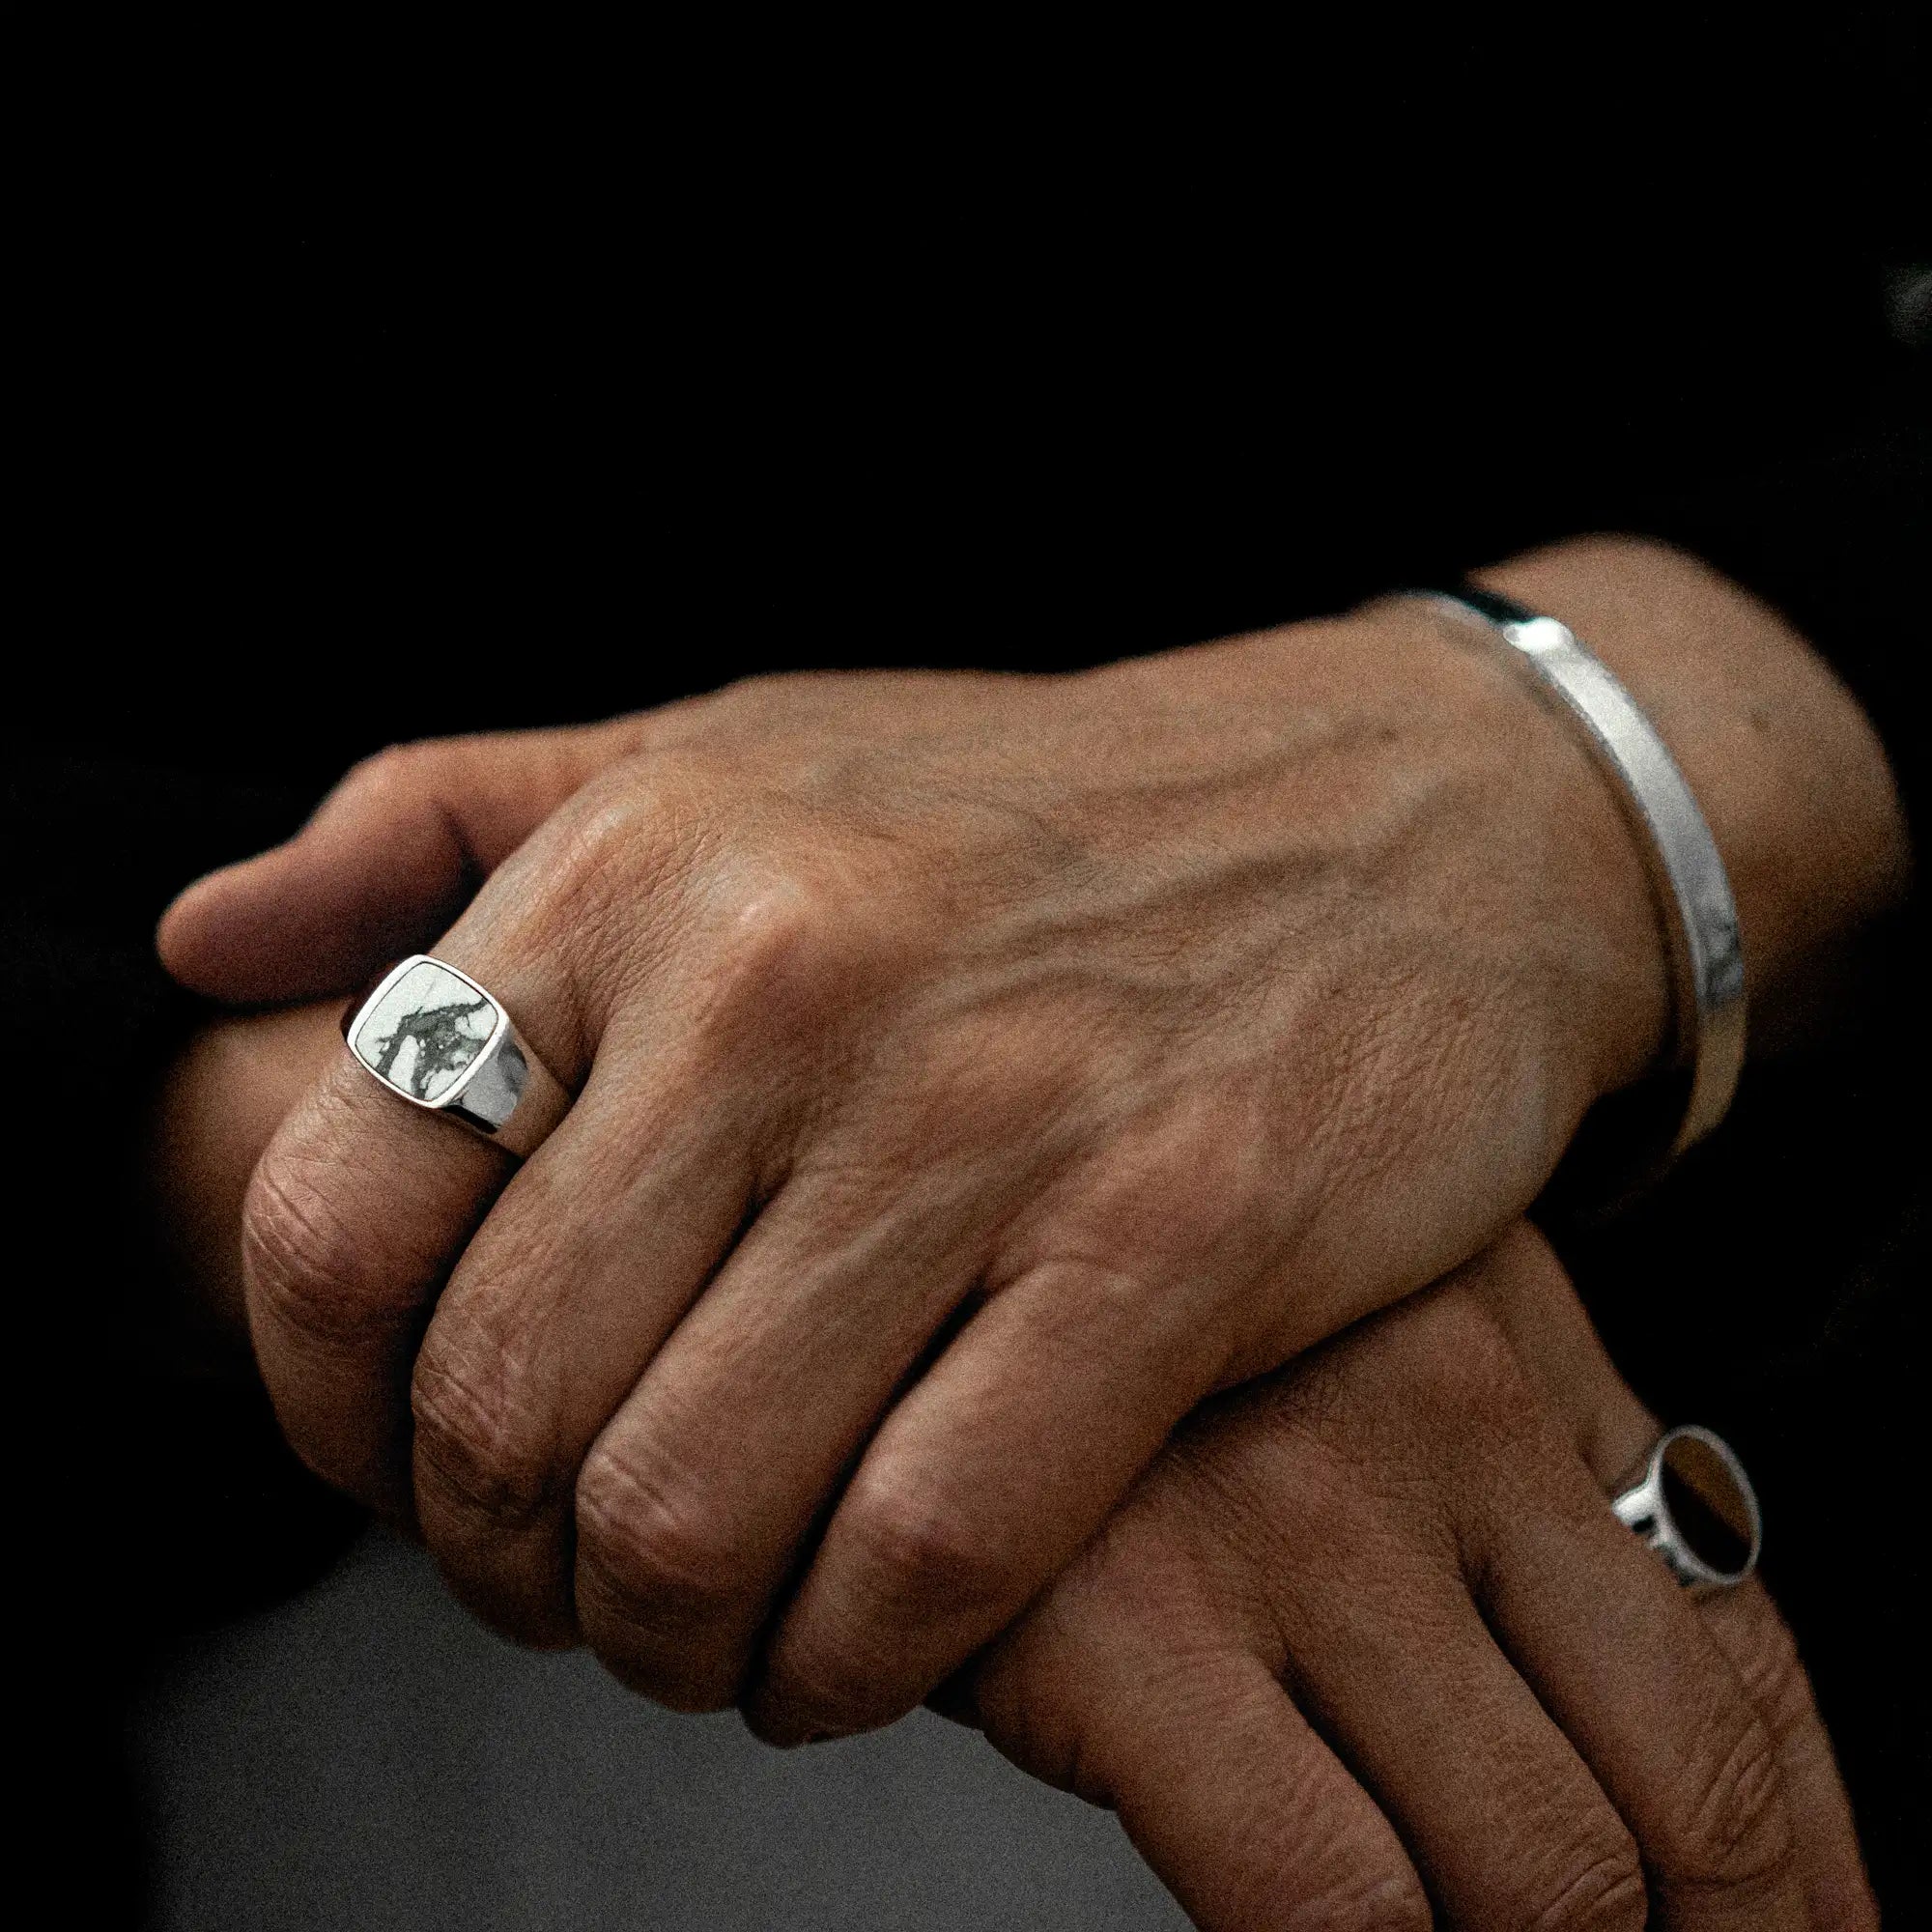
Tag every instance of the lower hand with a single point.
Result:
(1368, 1636)
(217, 1106)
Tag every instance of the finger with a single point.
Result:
(352, 1217)
(1242, 1810)
(697, 1499)
(594, 1252)
(1392, 1663)
(1244, 1813)
(1744, 1625)
(981, 1485)
(384, 866)
(357, 1211)
(1341, 1482)
(1617, 1654)
(1524, 1286)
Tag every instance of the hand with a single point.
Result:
(1368, 1636)
(974, 1073)
(229, 1088)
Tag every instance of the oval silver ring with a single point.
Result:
(435, 1038)
(1693, 1503)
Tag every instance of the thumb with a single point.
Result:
(387, 861)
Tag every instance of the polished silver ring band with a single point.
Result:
(1693, 896)
(1692, 1502)
(430, 1034)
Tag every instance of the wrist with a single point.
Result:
(1788, 771)
(1413, 745)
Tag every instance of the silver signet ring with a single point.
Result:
(1692, 1502)
(429, 1033)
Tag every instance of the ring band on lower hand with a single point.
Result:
(435, 1038)
(1693, 1503)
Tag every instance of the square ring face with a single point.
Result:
(422, 1032)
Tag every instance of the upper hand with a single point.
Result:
(1125, 1032)
(974, 1071)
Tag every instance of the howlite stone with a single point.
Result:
(424, 1031)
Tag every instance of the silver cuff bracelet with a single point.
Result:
(1695, 908)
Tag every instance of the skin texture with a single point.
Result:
(974, 1074)
(1364, 1644)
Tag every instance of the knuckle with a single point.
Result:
(1457, 1344)
(1033, 1688)
(616, 820)
(1599, 1889)
(1273, 1469)
(634, 828)
(895, 1565)
(759, 694)
(910, 1554)
(1735, 1827)
(1306, 1495)
(594, 855)
(394, 770)
(303, 1266)
(473, 1433)
(1431, 1383)
(1767, 1663)
(1370, 1902)
(1178, 1184)
(790, 947)
(781, 927)
(652, 1563)
(1461, 1373)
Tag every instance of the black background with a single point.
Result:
(1019, 354)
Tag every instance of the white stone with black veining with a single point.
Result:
(424, 1031)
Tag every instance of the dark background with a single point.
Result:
(1008, 353)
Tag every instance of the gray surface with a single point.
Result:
(365, 1757)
